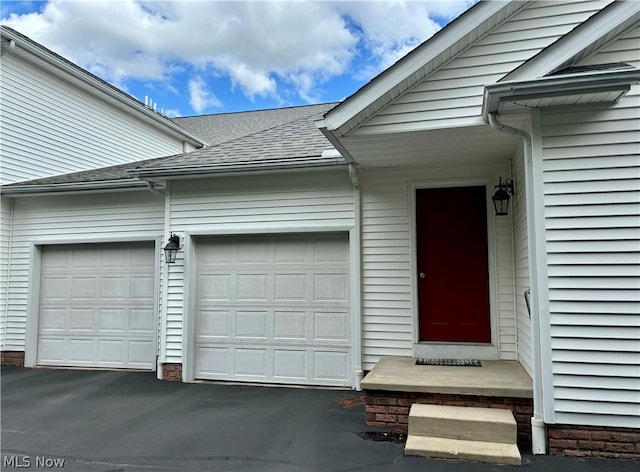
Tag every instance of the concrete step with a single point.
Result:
(463, 423)
(446, 448)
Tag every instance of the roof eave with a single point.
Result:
(88, 78)
(18, 190)
(500, 92)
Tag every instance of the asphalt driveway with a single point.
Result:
(127, 421)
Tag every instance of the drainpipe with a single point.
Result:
(357, 278)
(538, 431)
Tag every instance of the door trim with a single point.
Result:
(455, 350)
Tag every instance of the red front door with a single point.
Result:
(453, 273)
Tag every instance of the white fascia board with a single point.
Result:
(105, 185)
(555, 86)
(618, 14)
(407, 66)
(99, 85)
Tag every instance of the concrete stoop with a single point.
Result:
(463, 433)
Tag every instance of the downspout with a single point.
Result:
(538, 431)
(164, 300)
(357, 278)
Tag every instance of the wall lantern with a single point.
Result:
(171, 249)
(504, 190)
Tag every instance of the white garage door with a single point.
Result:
(274, 309)
(97, 306)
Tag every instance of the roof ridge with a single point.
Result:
(258, 111)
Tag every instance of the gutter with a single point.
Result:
(16, 39)
(35, 189)
(205, 170)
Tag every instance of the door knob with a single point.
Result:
(422, 275)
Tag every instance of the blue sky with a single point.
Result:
(197, 56)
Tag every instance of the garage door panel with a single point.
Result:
(82, 320)
(290, 364)
(290, 325)
(273, 300)
(251, 324)
(331, 287)
(97, 306)
(331, 366)
(331, 326)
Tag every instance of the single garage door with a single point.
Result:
(97, 306)
(274, 309)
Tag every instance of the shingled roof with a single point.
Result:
(283, 137)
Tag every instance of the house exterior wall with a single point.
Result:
(6, 211)
(591, 182)
(283, 203)
(452, 96)
(389, 316)
(521, 262)
(51, 127)
(111, 217)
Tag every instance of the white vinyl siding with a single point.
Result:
(387, 302)
(521, 262)
(64, 219)
(282, 203)
(51, 127)
(5, 236)
(452, 96)
(591, 170)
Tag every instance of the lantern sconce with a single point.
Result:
(504, 191)
(171, 249)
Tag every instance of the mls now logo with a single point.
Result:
(25, 462)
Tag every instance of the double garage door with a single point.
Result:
(274, 309)
(97, 306)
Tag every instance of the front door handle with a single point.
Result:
(422, 275)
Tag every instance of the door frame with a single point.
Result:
(461, 350)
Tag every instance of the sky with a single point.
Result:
(198, 57)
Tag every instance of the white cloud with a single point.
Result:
(262, 46)
(199, 97)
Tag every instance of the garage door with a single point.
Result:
(97, 306)
(274, 309)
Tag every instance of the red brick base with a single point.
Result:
(593, 441)
(14, 358)
(172, 372)
(391, 409)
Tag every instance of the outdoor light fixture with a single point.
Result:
(504, 190)
(171, 249)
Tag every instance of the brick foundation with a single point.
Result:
(14, 358)
(172, 372)
(391, 409)
(593, 441)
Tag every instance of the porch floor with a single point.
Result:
(493, 379)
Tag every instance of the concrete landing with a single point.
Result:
(494, 378)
